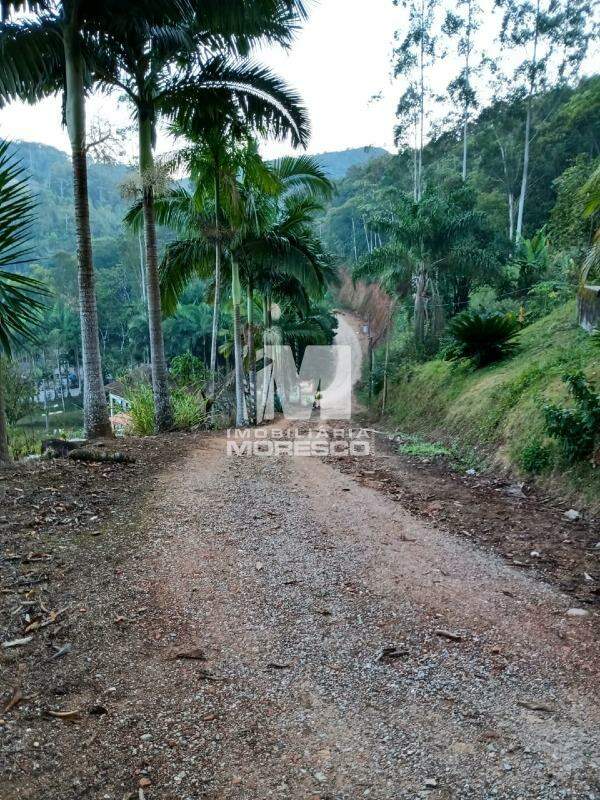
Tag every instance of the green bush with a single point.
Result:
(24, 442)
(575, 428)
(534, 457)
(142, 409)
(189, 410)
(189, 370)
(485, 338)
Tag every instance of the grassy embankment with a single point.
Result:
(498, 411)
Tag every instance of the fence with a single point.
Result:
(588, 307)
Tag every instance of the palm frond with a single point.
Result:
(247, 90)
(31, 59)
(20, 296)
(305, 173)
(183, 260)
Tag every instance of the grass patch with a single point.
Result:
(422, 449)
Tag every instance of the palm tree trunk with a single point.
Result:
(160, 379)
(419, 313)
(251, 352)
(236, 293)
(5, 457)
(95, 408)
(217, 298)
(266, 381)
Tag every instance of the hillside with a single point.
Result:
(49, 172)
(338, 163)
(496, 413)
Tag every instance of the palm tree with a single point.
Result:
(45, 55)
(436, 241)
(145, 61)
(269, 242)
(20, 296)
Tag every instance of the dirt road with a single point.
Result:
(244, 628)
(276, 630)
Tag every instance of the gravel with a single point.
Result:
(293, 698)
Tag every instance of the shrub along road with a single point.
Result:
(253, 627)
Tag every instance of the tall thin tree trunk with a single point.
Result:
(511, 216)
(385, 375)
(95, 407)
(160, 379)
(419, 312)
(526, 146)
(422, 104)
(5, 457)
(416, 164)
(236, 293)
(465, 135)
(252, 353)
(267, 370)
(468, 81)
(525, 175)
(217, 298)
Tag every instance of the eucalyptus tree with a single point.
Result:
(463, 27)
(191, 74)
(549, 40)
(413, 60)
(20, 297)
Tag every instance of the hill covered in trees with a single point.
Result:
(337, 163)
(483, 347)
(563, 151)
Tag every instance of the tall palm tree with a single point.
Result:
(269, 241)
(146, 61)
(20, 297)
(45, 55)
(38, 58)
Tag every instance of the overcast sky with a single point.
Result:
(338, 61)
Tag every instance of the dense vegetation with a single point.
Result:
(485, 328)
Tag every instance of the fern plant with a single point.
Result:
(485, 338)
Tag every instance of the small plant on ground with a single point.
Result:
(189, 410)
(142, 409)
(485, 338)
(535, 457)
(423, 450)
(578, 428)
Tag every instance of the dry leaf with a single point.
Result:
(17, 642)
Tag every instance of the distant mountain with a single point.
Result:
(51, 182)
(337, 163)
(50, 179)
